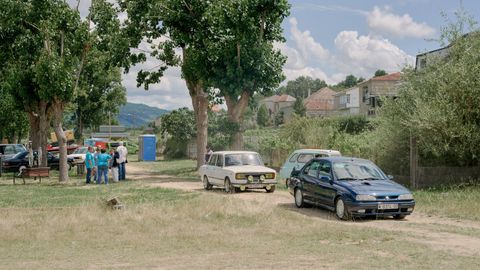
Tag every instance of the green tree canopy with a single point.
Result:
(299, 107)
(301, 86)
(380, 72)
(262, 116)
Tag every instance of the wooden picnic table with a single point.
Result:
(33, 172)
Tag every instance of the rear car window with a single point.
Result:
(304, 158)
(293, 158)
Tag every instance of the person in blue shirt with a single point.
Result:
(102, 160)
(89, 163)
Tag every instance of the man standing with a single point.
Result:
(89, 163)
(122, 152)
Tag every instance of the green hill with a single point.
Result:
(138, 115)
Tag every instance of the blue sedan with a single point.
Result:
(351, 187)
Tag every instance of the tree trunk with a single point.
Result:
(79, 130)
(200, 108)
(34, 130)
(43, 123)
(236, 110)
(62, 141)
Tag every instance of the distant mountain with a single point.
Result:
(138, 115)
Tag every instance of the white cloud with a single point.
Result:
(384, 21)
(306, 44)
(363, 55)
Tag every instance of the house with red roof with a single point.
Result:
(320, 103)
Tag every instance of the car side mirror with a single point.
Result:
(295, 173)
(326, 179)
(390, 177)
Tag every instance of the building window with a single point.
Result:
(348, 98)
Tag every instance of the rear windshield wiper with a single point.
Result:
(347, 178)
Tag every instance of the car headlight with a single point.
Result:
(408, 196)
(240, 176)
(365, 198)
(270, 176)
(250, 178)
(262, 177)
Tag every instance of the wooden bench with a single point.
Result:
(33, 172)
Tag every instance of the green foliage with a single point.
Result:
(350, 81)
(13, 120)
(279, 118)
(353, 124)
(299, 107)
(262, 116)
(179, 127)
(221, 131)
(179, 124)
(301, 86)
(380, 72)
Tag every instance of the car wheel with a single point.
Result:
(271, 190)
(228, 186)
(206, 184)
(69, 166)
(341, 210)
(399, 217)
(299, 202)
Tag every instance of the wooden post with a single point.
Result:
(413, 161)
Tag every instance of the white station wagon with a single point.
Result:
(237, 170)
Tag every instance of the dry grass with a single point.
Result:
(53, 226)
(167, 229)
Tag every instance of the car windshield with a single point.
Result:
(243, 159)
(357, 171)
(82, 150)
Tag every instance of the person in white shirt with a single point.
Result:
(123, 152)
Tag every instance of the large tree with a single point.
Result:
(167, 25)
(13, 120)
(44, 47)
(242, 58)
(301, 87)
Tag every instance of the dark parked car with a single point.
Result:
(9, 150)
(20, 160)
(351, 187)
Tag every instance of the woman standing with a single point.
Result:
(114, 164)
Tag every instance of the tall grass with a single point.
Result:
(460, 202)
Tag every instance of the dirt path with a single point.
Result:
(461, 237)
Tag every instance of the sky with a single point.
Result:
(330, 39)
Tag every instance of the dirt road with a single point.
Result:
(454, 236)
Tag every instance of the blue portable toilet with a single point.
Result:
(147, 147)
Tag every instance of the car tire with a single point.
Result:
(298, 197)
(206, 184)
(399, 217)
(341, 210)
(271, 190)
(229, 188)
(69, 166)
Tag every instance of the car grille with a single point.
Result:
(387, 198)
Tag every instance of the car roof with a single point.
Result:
(317, 151)
(235, 152)
(345, 159)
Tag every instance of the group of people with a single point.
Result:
(98, 164)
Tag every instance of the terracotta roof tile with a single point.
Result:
(390, 77)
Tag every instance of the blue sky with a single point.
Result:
(329, 39)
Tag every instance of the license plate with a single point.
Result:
(388, 206)
(256, 186)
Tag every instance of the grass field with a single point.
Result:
(68, 226)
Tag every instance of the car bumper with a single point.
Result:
(255, 185)
(363, 209)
